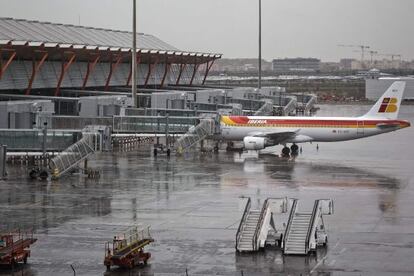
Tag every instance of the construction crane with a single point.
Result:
(361, 47)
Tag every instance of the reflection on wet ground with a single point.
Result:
(192, 203)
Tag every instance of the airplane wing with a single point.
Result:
(278, 137)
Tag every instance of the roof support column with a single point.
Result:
(182, 67)
(194, 73)
(150, 68)
(3, 67)
(35, 69)
(167, 69)
(208, 68)
(130, 70)
(90, 69)
(112, 69)
(65, 68)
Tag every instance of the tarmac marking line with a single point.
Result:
(318, 264)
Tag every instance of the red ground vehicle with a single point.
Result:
(127, 249)
(14, 246)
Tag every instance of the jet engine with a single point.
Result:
(254, 143)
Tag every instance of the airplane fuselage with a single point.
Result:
(320, 129)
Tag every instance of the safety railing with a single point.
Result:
(74, 154)
(288, 226)
(266, 109)
(245, 213)
(128, 239)
(260, 224)
(315, 214)
(195, 134)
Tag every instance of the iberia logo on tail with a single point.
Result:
(389, 105)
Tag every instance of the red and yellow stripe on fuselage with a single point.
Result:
(322, 129)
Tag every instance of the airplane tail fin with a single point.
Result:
(388, 106)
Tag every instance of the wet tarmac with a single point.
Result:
(192, 204)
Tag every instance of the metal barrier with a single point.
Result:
(33, 139)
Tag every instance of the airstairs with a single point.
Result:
(256, 224)
(265, 110)
(76, 153)
(306, 230)
(195, 134)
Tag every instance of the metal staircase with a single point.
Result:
(91, 142)
(266, 109)
(306, 230)
(295, 243)
(196, 134)
(255, 224)
(247, 242)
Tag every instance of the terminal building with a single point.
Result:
(289, 65)
(39, 56)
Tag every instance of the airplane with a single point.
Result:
(259, 132)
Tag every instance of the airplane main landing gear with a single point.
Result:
(294, 149)
(286, 152)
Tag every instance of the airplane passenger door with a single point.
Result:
(360, 128)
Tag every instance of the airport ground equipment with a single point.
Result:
(256, 224)
(266, 109)
(127, 249)
(15, 246)
(196, 134)
(305, 231)
(94, 138)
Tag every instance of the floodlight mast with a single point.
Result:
(259, 84)
(134, 54)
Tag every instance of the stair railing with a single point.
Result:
(291, 215)
(260, 223)
(311, 228)
(245, 213)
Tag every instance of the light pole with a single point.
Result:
(259, 85)
(134, 54)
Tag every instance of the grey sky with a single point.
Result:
(291, 28)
